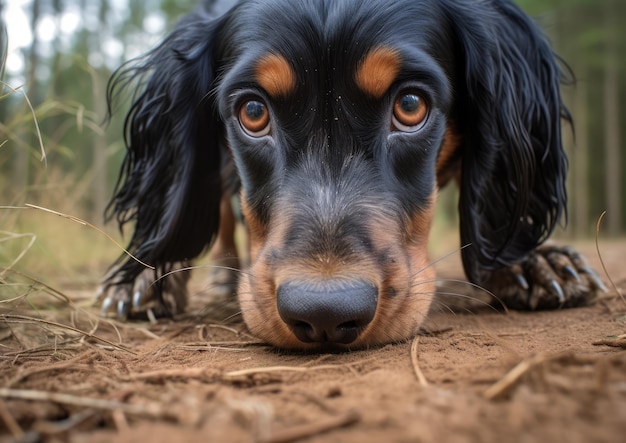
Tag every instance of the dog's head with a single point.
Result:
(343, 118)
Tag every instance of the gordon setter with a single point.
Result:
(336, 122)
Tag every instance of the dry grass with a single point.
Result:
(56, 250)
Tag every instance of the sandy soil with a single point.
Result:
(476, 376)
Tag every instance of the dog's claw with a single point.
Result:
(551, 277)
(595, 279)
(521, 280)
(138, 300)
(123, 309)
(558, 290)
(107, 304)
(132, 300)
(571, 272)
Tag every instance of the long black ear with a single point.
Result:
(169, 184)
(509, 112)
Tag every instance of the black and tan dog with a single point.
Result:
(338, 121)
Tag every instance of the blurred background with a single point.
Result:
(59, 54)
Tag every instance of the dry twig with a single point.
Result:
(503, 385)
(10, 423)
(414, 361)
(296, 433)
(151, 410)
(13, 318)
(32, 111)
(89, 225)
(269, 369)
(61, 426)
(26, 373)
(602, 260)
(177, 373)
(618, 342)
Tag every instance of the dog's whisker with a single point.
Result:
(454, 310)
(449, 254)
(446, 306)
(477, 287)
(432, 263)
(205, 266)
(476, 300)
(232, 316)
(461, 282)
(227, 268)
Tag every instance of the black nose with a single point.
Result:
(333, 311)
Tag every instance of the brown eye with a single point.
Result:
(254, 118)
(409, 112)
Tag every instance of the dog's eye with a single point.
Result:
(409, 112)
(254, 118)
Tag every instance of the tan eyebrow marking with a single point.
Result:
(378, 70)
(275, 75)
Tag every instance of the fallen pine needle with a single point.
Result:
(151, 410)
(503, 385)
(32, 111)
(89, 225)
(23, 375)
(50, 428)
(617, 343)
(414, 361)
(10, 423)
(212, 347)
(20, 256)
(177, 373)
(253, 371)
(606, 272)
(11, 318)
(121, 424)
(296, 433)
(54, 292)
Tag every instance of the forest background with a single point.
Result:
(57, 58)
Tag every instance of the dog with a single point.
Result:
(336, 122)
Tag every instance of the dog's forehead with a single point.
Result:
(327, 39)
(373, 75)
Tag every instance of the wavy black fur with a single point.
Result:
(169, 184)
(509, 107)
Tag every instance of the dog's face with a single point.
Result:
(335, 124)
(343, 118)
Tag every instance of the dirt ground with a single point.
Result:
(477, 375)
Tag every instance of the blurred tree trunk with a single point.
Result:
(20, 170)
(580, 157)
(100, 145)
(611, 119)
(3, 41)
(100, 155)
(56, 88)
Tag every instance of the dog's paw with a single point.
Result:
(151, 295)
(550, 277)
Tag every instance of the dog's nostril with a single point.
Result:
(348, 325)
(304, 329)
(334, 311)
